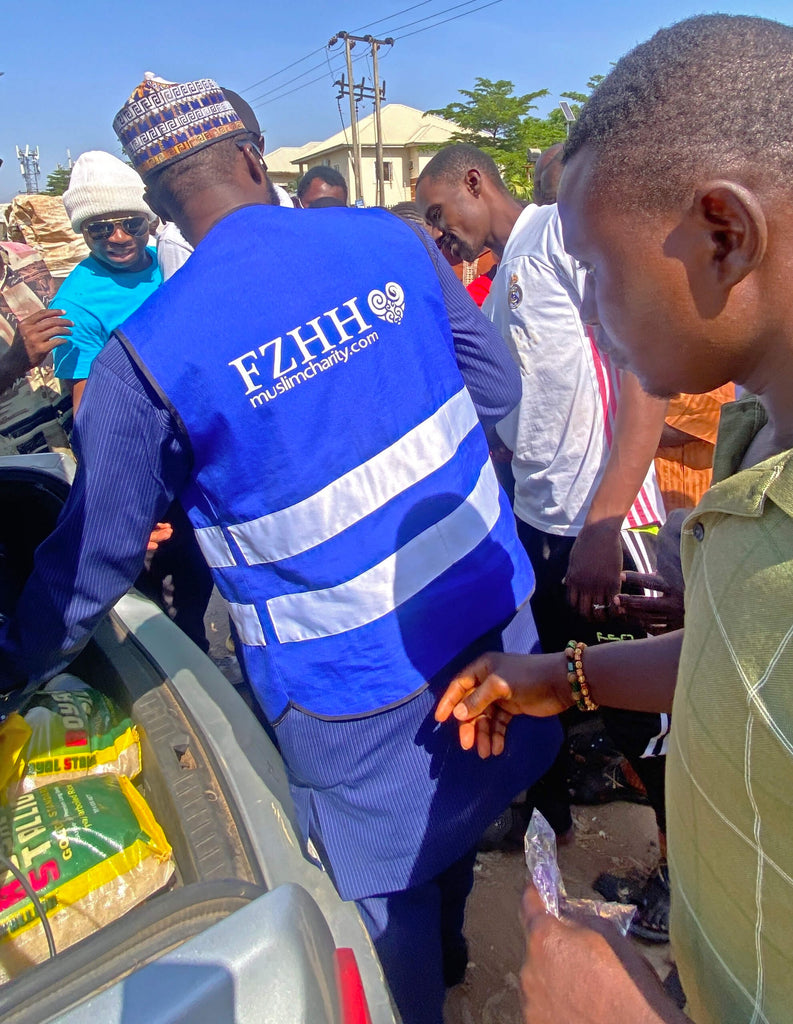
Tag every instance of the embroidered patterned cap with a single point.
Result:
(165, 121)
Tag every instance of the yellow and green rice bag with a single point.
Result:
(72, 734)
(91, 850)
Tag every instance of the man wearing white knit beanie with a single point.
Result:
(104, 202)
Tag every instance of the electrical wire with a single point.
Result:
(290, 81)
(426, 28)
(472, 6)
(311, 81)
(287, 68)
(394, 15)
(338, 98)
(454, 7)
(33, 897)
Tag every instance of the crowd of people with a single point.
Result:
(443, 530)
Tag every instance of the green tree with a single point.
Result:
(58, 181)
(500, 123)
(491, 115)
(493, 119)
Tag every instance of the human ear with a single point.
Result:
(737, 229)
(254, 162)
(473, 181)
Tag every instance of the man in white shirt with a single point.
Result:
(583, 436)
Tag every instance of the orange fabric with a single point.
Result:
(684, 470)
(467, 272)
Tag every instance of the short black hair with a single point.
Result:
(408, 211)
(208, 166)
(212, 165)
(451, 163)
(712, 94)
(327, 174)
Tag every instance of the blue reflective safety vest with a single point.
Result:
(342, 491)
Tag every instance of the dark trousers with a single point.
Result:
(418, 935)
(176, 577)
(638, 735)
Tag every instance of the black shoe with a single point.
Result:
(505, 833)
(651, 921)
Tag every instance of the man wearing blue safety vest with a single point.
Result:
(311, 388)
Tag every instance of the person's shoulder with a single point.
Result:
(78, 284)
(536, 235)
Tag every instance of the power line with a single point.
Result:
(473, 6)
(454, 7)
(311, 81)
(319, 49)
(287, 68)
(290, 81)
(394, 15)
(481, 7)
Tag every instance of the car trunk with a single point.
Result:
(216, 872)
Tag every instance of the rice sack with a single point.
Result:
(73, 733)
(91, 851)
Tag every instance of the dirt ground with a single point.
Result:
(619, 838)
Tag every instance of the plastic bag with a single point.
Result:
(540, 848)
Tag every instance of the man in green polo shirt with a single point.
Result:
(677, 198)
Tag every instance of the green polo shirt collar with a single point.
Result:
(745, 493)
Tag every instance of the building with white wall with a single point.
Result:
(410, 140)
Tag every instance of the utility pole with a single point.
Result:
(29, 166)
(378, 96)
(375, 44)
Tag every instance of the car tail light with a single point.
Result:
(352, 999)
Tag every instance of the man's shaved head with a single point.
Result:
(712, 95)
(452, 163)
(547, 173)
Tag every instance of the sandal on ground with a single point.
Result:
(608, 782)
(651, 921)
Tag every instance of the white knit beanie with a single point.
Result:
(102, 184)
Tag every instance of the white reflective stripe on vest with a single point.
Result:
(214, 547)
(363, 490)
(249, 627)
(381, 589)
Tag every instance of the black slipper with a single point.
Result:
(651, 921)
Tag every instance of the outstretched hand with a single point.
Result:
(586, 973)
(485, 695)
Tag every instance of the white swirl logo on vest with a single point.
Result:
(388, 305)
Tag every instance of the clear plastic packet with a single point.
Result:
(540, 848)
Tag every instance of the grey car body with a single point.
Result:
(252, 929)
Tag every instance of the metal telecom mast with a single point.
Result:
(29, 166)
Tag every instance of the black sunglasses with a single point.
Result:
(99, 230)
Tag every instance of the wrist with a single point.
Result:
(561, 684)
(16, 359)
(604, 522)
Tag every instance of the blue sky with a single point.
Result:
(68, 67)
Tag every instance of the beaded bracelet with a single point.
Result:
(576, 678)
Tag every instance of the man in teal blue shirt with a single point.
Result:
(105, 203)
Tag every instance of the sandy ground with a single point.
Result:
(619, 838)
